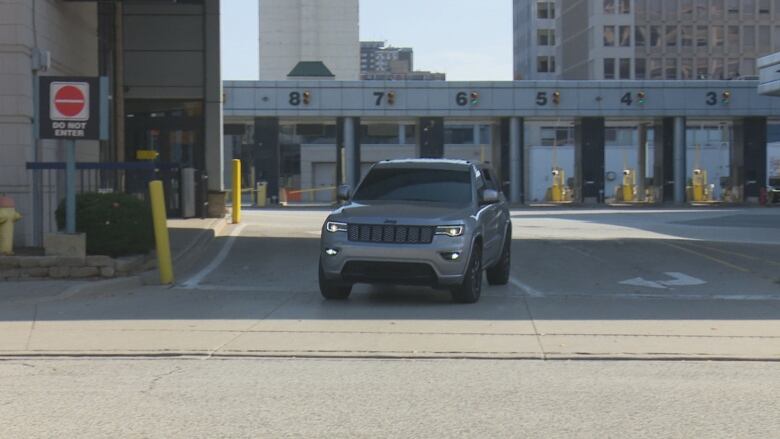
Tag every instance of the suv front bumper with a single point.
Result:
(400, 264)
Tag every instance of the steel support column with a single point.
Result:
(679, 160)
(516, 160)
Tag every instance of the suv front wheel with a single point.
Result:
(471, 288)
(333, 290)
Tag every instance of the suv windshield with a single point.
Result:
(426, 185)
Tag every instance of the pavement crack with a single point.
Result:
(157, 378)
(32, 328)
(533, 324)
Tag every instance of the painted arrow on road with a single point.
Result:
(678, 280)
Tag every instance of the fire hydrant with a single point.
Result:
(8, 216)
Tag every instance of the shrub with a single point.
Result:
(115, 224)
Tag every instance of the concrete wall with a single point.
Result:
(309, 30)
(69, 32)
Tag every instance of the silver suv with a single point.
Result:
(438, 223)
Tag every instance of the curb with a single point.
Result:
(182, 262)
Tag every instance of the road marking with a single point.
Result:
(706, 256)
(194, 281)
(733, 253)
(678, 280)
(525, 288)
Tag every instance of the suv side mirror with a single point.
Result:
(490, 196)
(344, 193)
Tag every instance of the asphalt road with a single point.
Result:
(388, 398)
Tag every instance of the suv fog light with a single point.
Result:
(331, 252)
(451, 256)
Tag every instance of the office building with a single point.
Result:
(379, 62)
(314, 32)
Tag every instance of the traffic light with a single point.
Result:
(307, 97)
(726, 97)
(474, 98)
(556, 97)
(391, 98)
(641, 97)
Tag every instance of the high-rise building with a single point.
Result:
(381, 62)
(643, 39)
(298, 37)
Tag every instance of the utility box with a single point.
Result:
(261, 194)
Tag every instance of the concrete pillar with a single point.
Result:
(679, 160)
(641, 168)
(401, 134)
(515, 160)
(213, 134)
(476, 135)
(350, 153)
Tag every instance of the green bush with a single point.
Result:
(115, 224)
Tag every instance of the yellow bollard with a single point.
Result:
(236, 191)
(161, 237)
(8, 216)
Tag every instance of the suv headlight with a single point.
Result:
(451, 231)
(335, 227)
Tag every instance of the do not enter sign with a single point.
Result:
(72, 108)
(69, 101)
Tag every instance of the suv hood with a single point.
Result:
(402, 213)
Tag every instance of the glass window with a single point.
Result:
(777, 37)
(748, 67)
(625, 36)
(609, 6)
(640, 36)
(459, 135)
(654, 9)
(764, 7)
(625, 68)
(655, 36)
(686, 8)
(379, 134)
(609, 68)
(702, 69)
(718, 38)
(557, 136)
(670, 9)
(748, 8)
(717, 69)
(625, 6)
(732, 68)
(733, 38)
(656, 68)
(640, 7)
(764, 39)
(701, 36)
(671, 68)
(609, 36)
(716, 9)
(671, 36)
(749, 37)
(545, 64)
(686, 68)
(686, 39)
(640, 68)
(733, 7)
(701, 9)
(423, 185)
(545, 10)
(777, 9)
(545, 37)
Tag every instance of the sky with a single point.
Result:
(465, 41)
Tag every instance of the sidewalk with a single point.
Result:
(187, 237)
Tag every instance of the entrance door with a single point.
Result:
(324, 182)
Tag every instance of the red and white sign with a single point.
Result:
(69, 101)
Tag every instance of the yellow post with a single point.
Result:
(236, 191)
(161, 237)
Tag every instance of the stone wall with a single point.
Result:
(54, 267)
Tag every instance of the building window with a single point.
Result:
(732, 68)
(545, 64)
(640, 69)
(686, 68)
(557, 136)
(625, 6)
(717, 9)
(748, 8)
(655, 36)
(654, 9)
(625, 68)
(701, 36)
(686, 36)
(546, 37)
(609, 36)
(718, 38)
(609, 68)
(656, 68)
(671, 68)
(609, 6)
(717, 71)
(777, 37)
(545, 10)
(671, 36)
(670, 9)
(701, 9)
(686, 8)
(640, 7)
(764, 39)
(748, 67)
(763, 7)
(749, 38)
(640, 36)
(733, 7)
(733, 38)
(702, 69)
(777, 9)
(625, 36)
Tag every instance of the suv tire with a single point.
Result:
(499, 273)
(471, 288)
(333, 290)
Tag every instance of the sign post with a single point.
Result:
(69, 109)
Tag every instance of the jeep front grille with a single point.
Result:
(391, 234)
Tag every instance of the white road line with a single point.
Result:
(194, 281)
(527, 289)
